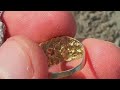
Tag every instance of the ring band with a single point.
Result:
(64, 49)
(68, 72)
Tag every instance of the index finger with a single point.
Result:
(39, 26)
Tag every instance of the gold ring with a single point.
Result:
(64, 49)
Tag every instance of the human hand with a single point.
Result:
(22, 58)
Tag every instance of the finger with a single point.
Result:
(39, 25)
(21, 58)
(103, 60)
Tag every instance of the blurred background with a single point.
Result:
(103, 25)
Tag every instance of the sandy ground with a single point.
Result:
(103, 25)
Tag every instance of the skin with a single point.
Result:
(22, 58)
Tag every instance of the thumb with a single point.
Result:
(21, 58)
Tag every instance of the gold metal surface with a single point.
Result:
(61, 49)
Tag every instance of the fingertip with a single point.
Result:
(103, 59)
(22, 59)
(40, 25)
